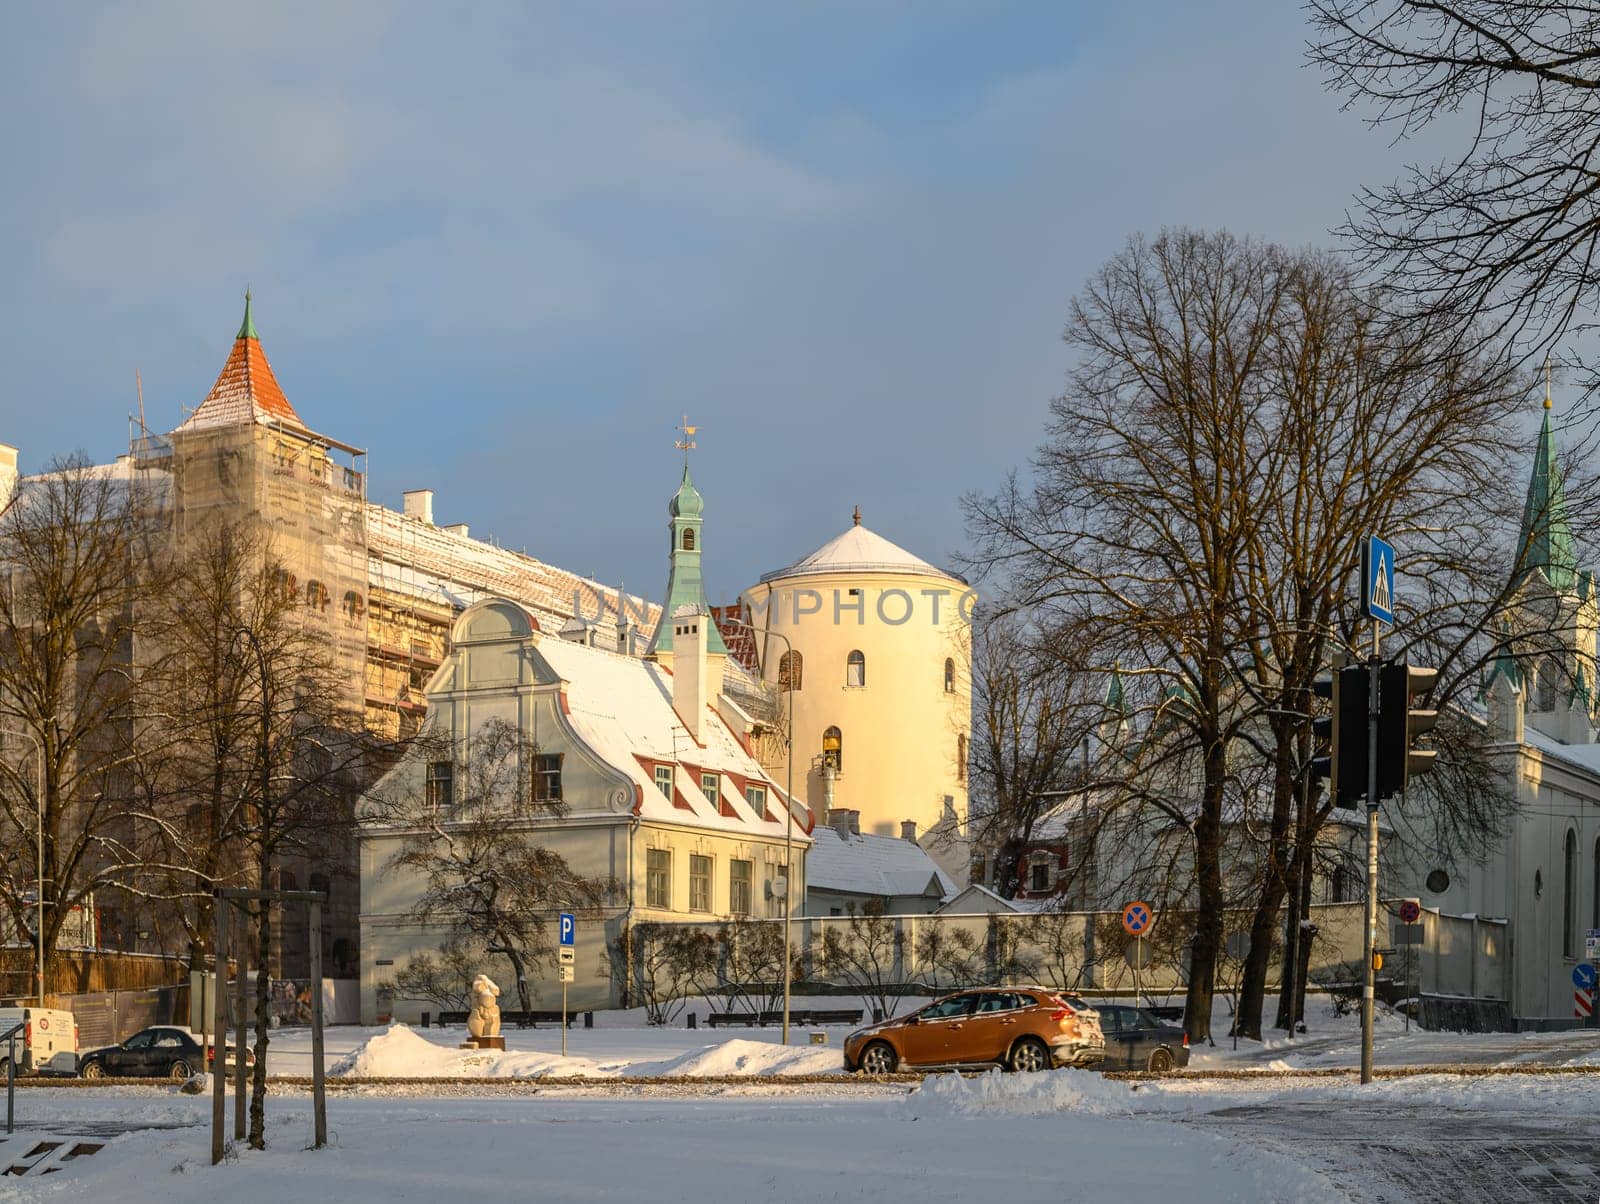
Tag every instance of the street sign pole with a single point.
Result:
(1377, 588)
(569, 952)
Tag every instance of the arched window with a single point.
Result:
(688, 539)
(855, 669)
(1594, 885)
(1569, 896)
(949, 675)
(791, 668)
(833, 749)
(1548, 673)
(961, 757)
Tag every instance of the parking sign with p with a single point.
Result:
(569, 928)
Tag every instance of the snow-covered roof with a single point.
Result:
(447, 567)
(621, 707)
(880, 866)
(859, 550)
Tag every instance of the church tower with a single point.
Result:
(685, 584)
(1556, 614)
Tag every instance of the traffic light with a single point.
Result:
(1399, 724)
(1343, 732)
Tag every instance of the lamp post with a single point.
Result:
(38, 800)
(788, 826)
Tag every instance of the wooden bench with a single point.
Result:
(796, 1016)
(518, 1019)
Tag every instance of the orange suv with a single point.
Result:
(1022, 1028)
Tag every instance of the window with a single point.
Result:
(699, 882)
(441, 784)
(1594, 903)
(354, 605)
(658, 878)
(1569, 896)
(833, 750)
(756, 796)
(791, 668)
(741, 887)
(1547, 685)
(949, 1009)
(547, 777)
(855, 669)
(961, 757)
(1040, 876)
(710, 787)
(949, 675)
(688, 539)
(664, 780)
(142, 1040)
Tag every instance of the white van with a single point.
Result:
(47, 1044)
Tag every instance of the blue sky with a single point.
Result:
(504, 247)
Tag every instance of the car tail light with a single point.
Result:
(1060, 1013)
(27, 1033)
(1186, 1038)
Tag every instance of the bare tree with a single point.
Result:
(487, 876)
(75, 567)
(862, 951)
(672, 962)
(1504, 226)
(445, 981)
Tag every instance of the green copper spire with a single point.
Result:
(685, 584)
(247, 328)
(1547, 542)
(1116, 696)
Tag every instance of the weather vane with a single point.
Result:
(686, 444)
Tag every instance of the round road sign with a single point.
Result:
(1583, 976)
(1137, 918)
(1410, 912)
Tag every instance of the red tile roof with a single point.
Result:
(246, 391)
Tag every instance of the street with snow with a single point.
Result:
(540, 1125)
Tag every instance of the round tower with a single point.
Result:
(880, 682)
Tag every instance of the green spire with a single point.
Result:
(1116, 696)
(247, 328)
(1547, 542)
(685, 584)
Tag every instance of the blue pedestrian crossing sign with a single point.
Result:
(1583, 976)
(1377, 579)
(569, 928)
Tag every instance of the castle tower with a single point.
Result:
(880, 682)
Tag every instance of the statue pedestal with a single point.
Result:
(484, 1043)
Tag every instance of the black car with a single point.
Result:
(1136, 1040)
(160, 1052)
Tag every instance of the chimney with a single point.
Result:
(839, 821)
(8, 472)
(419, 505)
(689, 668)
(457, 529)
(908, 830)
(625, 637)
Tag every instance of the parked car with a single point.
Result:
(47, 1044)
(1136, 1040)
(1020, 1028)
(163, 1051)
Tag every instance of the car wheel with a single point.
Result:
(1160, 1061)
(178, 1070)
(1029, 1055)
(879, 1058)
(92, 1070)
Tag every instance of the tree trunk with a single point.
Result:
(258, 1083)
(1209, 915)
(520, 971)
(1253, 982)
(1288, 967)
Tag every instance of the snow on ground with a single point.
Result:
(947, 1143)
(402, 1052)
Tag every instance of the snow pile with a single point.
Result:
(747, 1057)
(398, 1052)
(1081, 1091)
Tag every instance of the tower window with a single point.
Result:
(688, 539)
(833, 750)
(855, 669)
(949, 675)
(791, 668)
(961, 757)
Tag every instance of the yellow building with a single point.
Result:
(879, 678)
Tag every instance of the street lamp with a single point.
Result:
(788, 827)
(38, 801)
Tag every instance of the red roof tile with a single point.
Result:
(246, 391)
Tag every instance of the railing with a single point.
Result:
(10, 1038)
